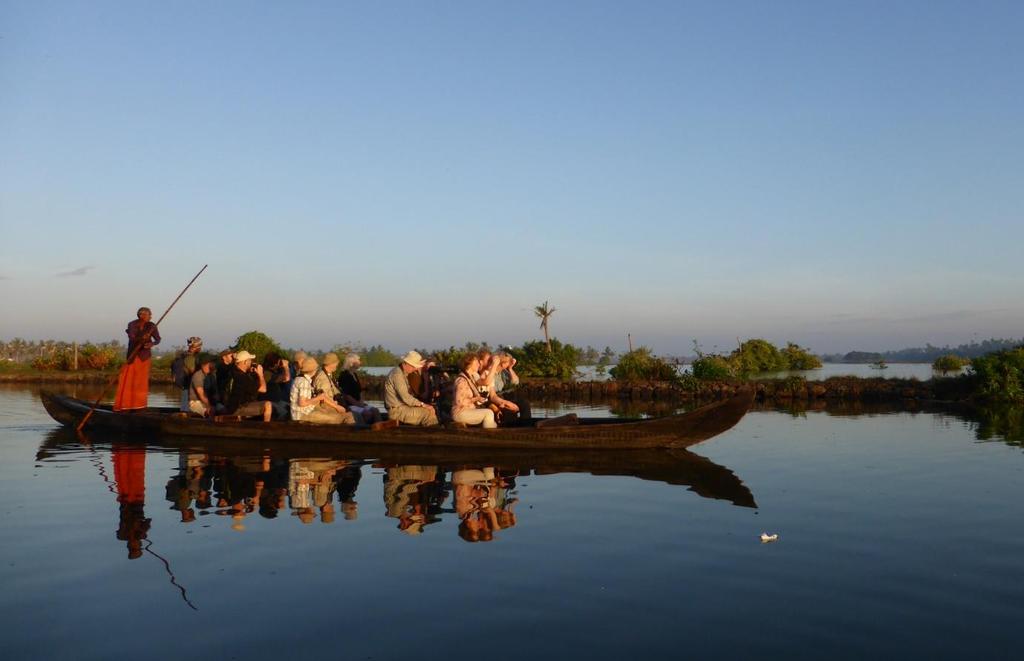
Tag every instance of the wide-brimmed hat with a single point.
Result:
(414, 358)
(243, 355)
(308, 365)
(331, 359)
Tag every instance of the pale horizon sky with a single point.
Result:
(842, 175)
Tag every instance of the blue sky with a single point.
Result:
(844, 175)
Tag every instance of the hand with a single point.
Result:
(259, 369)
(512, 407)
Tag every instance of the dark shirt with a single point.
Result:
(221, 374)
(136, 329)
(278, 390)
(238, 389)
(349, 384)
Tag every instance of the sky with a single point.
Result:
(845, 175)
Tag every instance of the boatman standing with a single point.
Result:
(133, 381)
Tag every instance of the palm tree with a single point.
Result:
(544, 313)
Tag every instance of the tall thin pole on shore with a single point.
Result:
(138, 347)
(629, 338)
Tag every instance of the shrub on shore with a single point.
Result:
(90, 357)
(999, 376)
(949, 363)
(755, 356)
(711, 367)
(259, 344)
(641, 365)
(799, 358)
(534, 359)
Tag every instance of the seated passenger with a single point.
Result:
(470, 406)
(505, 376)
(400, 403)
(501, 377)
(278, 375)
(484, 371)
(242, 388)
(318, 408)
(220, 377)
(296, 363)
(352, 391)
(486, 379)
(201, 386)
(323, 382)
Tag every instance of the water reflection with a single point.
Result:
(989, 422)
(265, 485)
(130, 481)
(476, 490)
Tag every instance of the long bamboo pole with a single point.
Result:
(138, 347)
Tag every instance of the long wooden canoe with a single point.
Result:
(675, 431)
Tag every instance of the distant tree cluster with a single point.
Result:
(372, 356)
(755, 356)
(926, 354)
(591, 356)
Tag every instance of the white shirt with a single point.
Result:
(302, 388)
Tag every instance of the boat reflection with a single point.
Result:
(421, 487)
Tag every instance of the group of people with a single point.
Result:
(416, 392)
(234, 384)
(417, 388)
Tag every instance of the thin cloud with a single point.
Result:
(81, 270)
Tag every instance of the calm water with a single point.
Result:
(900, 535)
(921, 371)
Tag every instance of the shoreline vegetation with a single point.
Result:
(549, 369)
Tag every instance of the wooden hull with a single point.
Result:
(677, 431)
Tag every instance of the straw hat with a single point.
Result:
(331, 359)
(308, 365)
(414, 358)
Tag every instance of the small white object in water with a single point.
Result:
(766, 538)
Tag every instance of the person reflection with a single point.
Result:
(413, 495)
(311, 488)
(348, 482)
(130, 480)
(237, 489)
(483, 503)
(190, 485)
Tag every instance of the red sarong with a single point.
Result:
(133, 386)
(130, 473)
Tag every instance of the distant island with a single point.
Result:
(925, 354)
